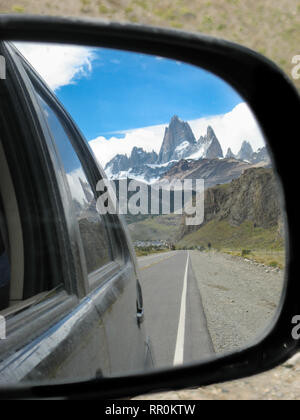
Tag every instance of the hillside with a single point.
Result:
(157, 228)
(213, 171)
(252, 197)
(242, 216)
(271, 27)
(223, 236)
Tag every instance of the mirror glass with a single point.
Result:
(176, 257)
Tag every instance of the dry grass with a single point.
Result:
(144, 252)
(264, 246)
(271, 27)
(274, 259)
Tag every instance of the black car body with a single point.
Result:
(70, 295)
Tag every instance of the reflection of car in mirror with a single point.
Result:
(69, 284)
(185, 163)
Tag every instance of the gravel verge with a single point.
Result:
(240, 297)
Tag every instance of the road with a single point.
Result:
(198, 304)
(174, 314)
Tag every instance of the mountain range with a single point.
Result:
(180, 151)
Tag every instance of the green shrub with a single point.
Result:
(245, 252)
(273, 264)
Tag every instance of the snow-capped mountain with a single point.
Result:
(139, 165)
(138, 158)
(179, 143)
(229, 154)
(208, 146)
(246, 154)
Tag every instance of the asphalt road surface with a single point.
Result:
(174, 314)
(199, 304)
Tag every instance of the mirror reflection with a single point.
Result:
(152, 230)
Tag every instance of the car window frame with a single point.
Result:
(36, 314)
(13, 230)
(94, 173)
(99, 275)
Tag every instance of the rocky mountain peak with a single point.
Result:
(140, 157)
(246, 152)
(209, 145)
(178, 141)
(261, 155)
(175, 119)
(230, 154)
(210, 132)
(179, 145)
(117, 164)
(215, 149)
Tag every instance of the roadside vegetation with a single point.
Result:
(144, 251)
(262, 245)
(270, 258)
(246, 236)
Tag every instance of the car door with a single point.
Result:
(79, 280)
(108, 266)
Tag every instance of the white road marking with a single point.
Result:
(179, 349)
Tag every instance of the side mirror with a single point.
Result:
(107, 274)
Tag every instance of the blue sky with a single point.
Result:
(126, 90)
(121, 100)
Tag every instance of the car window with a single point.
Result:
(28, 264)
(92, 226)
(4, 262)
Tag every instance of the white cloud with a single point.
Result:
(58, 65)
(149, 138)
(231, 129)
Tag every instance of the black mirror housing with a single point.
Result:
(276, 105)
